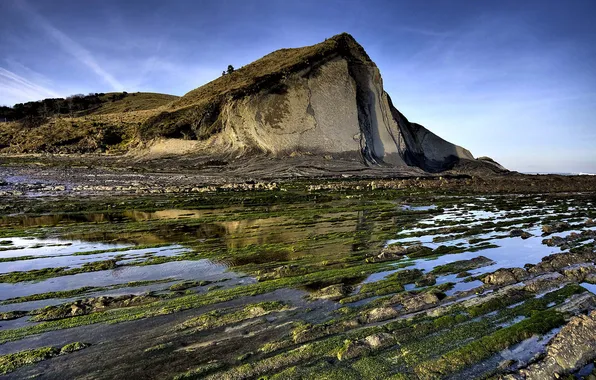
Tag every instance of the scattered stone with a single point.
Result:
(579, 272)
(379, 314)
(520, 233)
(427, 280)
(548, 229)
(333, 292)
(544, 282)
(420, 301)
(505, 276)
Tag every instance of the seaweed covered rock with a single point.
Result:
(505, 276)
(579, 272)
(332, 292)
(544, 282)
(356, 348)
(571, 349)
(414, 302)
(379, 314)
(520, 233)
(90, 305)
(558, 261)
(548, 229)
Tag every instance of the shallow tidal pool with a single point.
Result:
(342, 286)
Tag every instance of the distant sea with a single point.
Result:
(537, 173)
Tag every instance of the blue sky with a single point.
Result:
(513, 80)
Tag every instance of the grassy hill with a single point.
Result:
(195, 115)
(86, 124)
(131, 102)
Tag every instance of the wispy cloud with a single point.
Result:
(70, 46)
(18, 88)
(424, 32)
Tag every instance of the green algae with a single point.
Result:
(81, 291)
(11, 362)
(539, 322)
(219, 318)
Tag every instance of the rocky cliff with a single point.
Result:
(321, 100)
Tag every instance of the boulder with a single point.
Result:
(332, 292)
(420, 301)
(544, 282)
(505, 276)
(520, 233)
(380, 340)
(548, 229)
(379, 314)
(427, 280)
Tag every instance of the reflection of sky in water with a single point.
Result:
(590, 287)
(187, 270)
(45, 250)
(78, 261)
(418, 208)
(512, 251)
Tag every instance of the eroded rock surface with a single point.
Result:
(570, 349)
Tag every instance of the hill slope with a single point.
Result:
(325, 99)
(78, 124)
(139, 101)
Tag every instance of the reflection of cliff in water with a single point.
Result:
(54, 220)
(365, 226)
(105, 217)
(227, 234)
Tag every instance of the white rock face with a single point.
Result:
(328, 111)
(314, 115)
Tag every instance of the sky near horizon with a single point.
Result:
(513, 80)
